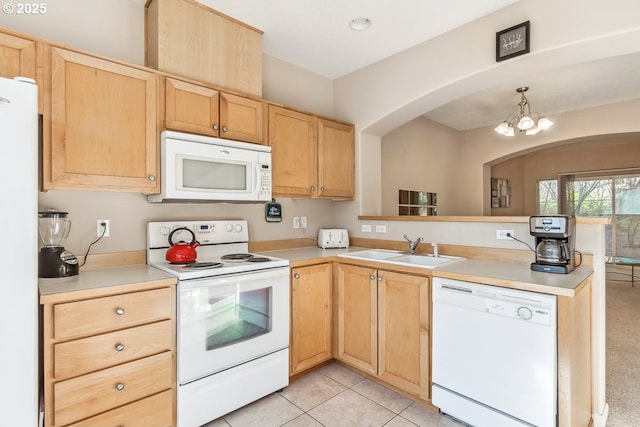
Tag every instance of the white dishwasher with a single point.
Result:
(494, 355)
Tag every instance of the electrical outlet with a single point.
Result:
(504, 234)
(106, 228)
(303, 222)
(296, 222)
(366, 228)
(381, 228)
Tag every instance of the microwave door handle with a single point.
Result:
(256, 185)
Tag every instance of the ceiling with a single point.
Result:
(314, 35)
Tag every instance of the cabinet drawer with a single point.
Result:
(77, 357)
(111, 313)
(156, 411)
(81, 397)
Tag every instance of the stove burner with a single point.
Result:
(237, 257)
(259, 259)
(183, 262)
(197, 265)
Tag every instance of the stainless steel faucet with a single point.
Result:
(413, 244)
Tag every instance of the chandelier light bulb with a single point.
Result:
(544, 123)
(525, 123)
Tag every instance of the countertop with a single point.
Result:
(104, 278)
(516, 275)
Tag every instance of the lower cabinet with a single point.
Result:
(311, 313)
(383, 325)
(109, 359)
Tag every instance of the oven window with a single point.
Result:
(238, 317)
(213, 175)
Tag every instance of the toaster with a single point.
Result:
(333, 238)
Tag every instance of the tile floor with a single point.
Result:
(334, 396)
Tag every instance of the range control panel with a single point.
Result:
(206, 232)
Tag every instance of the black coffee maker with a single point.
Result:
(555, 243)
(54, 260)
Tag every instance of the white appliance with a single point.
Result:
(333, 238)
(203, 168)
(19, 278)
(233, 318)
(494, 355)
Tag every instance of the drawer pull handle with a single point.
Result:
(119, 311)
(119, 386)
(119, 347)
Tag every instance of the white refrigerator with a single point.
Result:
(19, 252)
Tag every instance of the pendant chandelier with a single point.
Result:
(525, 121)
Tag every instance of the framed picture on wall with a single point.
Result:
(513, 41)
(500, 193)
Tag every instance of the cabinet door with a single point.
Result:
(357, 317)
(292, 137)
(103, 125)
(17, 57)
(311, 312)
(191, 108)
(241, 118)
(403, 331)
(336, 160)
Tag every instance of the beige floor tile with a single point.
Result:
(220, 422)
(311, 390)
(303, 420)
(270, 411)
(382, 396)
(398, 421)
(349, 409)
(425, 417)
(341, 374)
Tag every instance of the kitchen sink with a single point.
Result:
(427, 261)
(403, 258)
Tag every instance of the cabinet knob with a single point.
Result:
(152, 178)
(379, 278)
(119, 386)
(119, 347)
(119, 311)
(321, 189)
(372, 277)
(215, 126)
(296, 276)
(313, 188)
(225, 129)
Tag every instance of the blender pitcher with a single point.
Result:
(54, 260)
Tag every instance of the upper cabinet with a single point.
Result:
(206, 111)
(17, 57)
(312, 157)
(100, 130)
(188, 39)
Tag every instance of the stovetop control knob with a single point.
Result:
(228, 227)
(238, 228)
(164, 230)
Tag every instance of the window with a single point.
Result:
(548, 197)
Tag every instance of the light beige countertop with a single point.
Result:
(516, 275)
(86, 281)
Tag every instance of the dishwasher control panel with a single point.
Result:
(516, 310)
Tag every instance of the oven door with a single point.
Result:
(225, 321)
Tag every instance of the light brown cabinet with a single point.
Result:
(206, 111)
(311, 314)
(17, 57)
(100, 124)
(383, 325)
(109, 359)
(188, 39)
(311, 157)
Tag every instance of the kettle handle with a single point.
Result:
(193, 236)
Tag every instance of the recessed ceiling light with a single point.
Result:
(359, 24)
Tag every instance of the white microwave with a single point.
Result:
(203, 168)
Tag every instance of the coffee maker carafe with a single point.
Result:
(555, 238)
(54, 260)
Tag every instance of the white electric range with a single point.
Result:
(232, 318)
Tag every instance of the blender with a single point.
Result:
(54, 260)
